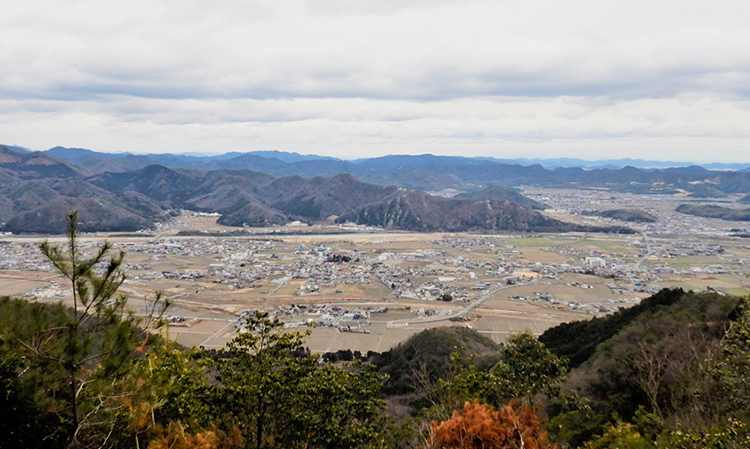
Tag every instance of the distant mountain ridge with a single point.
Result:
(255, 189)
(128, 161)
(401, 160)
(430, 172)
(131, 200)
(36, 164)
(263, 201)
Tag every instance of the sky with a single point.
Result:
(593, 79)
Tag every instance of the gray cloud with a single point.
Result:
(388, 76)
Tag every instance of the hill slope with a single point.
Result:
(657, 358)
(39, 206)
(498, 192)
(577, 340)
(429, 351)
(417, 211)
(711, 211)
(36, 165)
(253, 199)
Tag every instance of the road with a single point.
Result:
(648, 251)
(462, 312)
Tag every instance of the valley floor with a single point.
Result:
(368, 290)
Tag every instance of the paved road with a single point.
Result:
(462, 312)
(648, 251)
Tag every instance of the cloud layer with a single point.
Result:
(354, 78)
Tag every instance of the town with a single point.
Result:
(365, 289)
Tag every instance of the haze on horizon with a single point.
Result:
(666, 80)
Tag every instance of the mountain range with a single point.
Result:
(37, 188)
(127, 191)
(432, 173)
(85, 157)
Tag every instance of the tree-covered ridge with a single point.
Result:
(577, 340)
(418, 211)
(427, 354)
(712, 211)
(498, 192)
(654, 383)
(650, 359)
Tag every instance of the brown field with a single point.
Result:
(10, 286)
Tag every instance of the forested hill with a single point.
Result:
(498, 192)
(713, 211)
(419, 211)
(577, 340)
(35, 199)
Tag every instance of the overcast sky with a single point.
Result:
(594, 79)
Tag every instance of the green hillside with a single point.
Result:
(711, 211)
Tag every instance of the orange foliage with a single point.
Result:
(480, 426)
(175, 437)
(142, 348)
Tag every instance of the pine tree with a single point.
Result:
(77, 358)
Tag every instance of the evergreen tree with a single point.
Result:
(72, 363)
(279, 396)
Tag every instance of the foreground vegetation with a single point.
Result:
(673, 371)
